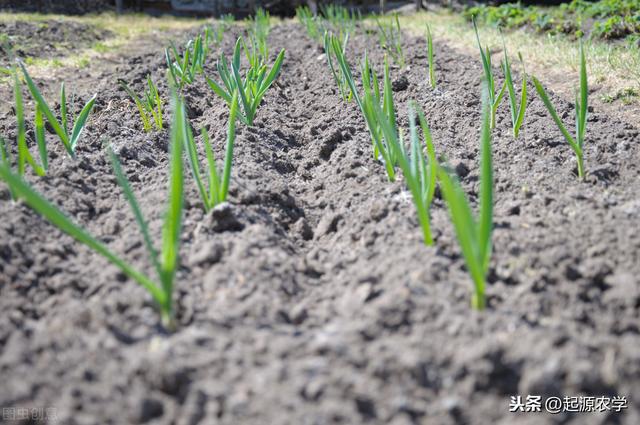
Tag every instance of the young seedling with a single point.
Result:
(5, 156)
(474, 234)
(259, 32)
(69, 140)
(309, 22)
(166, 261)
(254, 57)
(330, 52)
(149, 108)
(261, 22)
(517, 108)
(214, 34)
(430, 54)
(382, 150)
(420, 173)
(5, 161)
(227, 19)
(391, 39)
(251, 88)
(24, 156)
(339, 19)
(371, 95)
(218, 184)
(576, 144)
(184, 68)
(494, 100)
(370, 81)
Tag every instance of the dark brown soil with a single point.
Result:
(59, 6)
(310, 298)
(49, 39)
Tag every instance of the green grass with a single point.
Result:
(626, 96)
(581, 105)
(124, 29)
(474, 233)
(614, 68)
(166, 260)
(605, 19)
(101, 47)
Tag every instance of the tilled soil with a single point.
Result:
(58, 6)
(49, 39)
(310, 298)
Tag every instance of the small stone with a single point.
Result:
(295, 316)
(379, 210)
(451, 404)
(329, 144)
(206, 254)
(400, 84)
(223, 218)
(313, 390)
(150, 408)
(328, 224)
(461, 169)
(631, 208)
(623, 288)
(298, 314)
(366, 407)
(514, 210)
(302, 229)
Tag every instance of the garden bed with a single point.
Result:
(46, 39)
(310, 297)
